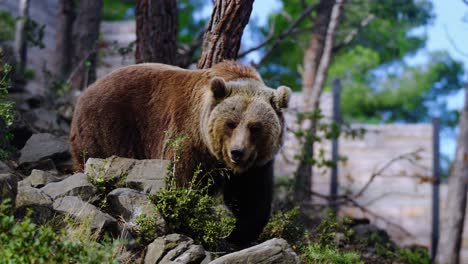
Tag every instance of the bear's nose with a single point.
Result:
(236, 155)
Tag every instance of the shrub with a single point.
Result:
(193, 212)
(286, 225)
(25, 242)
(318, 254)
(6, 113)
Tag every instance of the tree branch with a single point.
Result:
(271, 32)
(353, 33)
(383, 168)
(452, 41)
(285, 33)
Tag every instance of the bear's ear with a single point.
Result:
(219, 88)
(282, 97)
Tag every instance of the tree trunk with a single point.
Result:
(64, 44)
(224, 32)
(317, 59)
(85, 38)
(21, 43)
(156, 22)
(448, 251)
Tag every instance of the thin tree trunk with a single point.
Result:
(224, 32)
(451, 235)
(156, 31)
(316, 62)
(20, 36)
(85, 38)
(64, 43)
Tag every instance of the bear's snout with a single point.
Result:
(237, 155)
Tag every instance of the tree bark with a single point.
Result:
(64, 40)
(156, 22)
(317, 59)
(224, 32)
(451, 235)
(85, 39)
(21, 43)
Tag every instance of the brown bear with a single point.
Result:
(231, 121)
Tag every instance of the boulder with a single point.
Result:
(75, 185)
(148, 176)
(129, 204)
(45, 120)
(275, 250)
(8, 187)
(175, 248)
(37, 201)
(43, 146)
(4, 168)
(86, 213)
(40, 178)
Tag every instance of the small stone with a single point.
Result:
(175, 248)
(75, 185)
(129, 204)
(40, 178)
(86, 212)
(273, 251)
(37, 201)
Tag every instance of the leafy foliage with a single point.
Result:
(6, 113)
(114, 10)
(7, 26)
(317, 254)
(25, 242)
(192, 211)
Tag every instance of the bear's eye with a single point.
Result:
(255, 128)
(231, 125)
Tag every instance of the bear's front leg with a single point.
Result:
(248, 196)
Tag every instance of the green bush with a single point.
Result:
(7, 26)
(318, 254)
(6, 113)
(286, 225)
(192, 211)
(25, 242)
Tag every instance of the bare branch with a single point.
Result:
(353, 33)
(405, 156)
(345, 199)
(285, 33)
(465, 1)
(271, 32)
(452, 41)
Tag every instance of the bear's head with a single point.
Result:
(243, 123)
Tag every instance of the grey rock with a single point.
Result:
(111, 169)
(75, 185)
(129, 204)
(44, 146)
(4, 168)
(148, 176)
(45, 165)
(175, 248)
(86, 212)
(37, 201)
(45, 120)
(275, 250)
(8, 187)
(40, 178)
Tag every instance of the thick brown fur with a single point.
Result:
(135, 111)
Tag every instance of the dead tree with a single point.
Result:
(451, 235)
(223, 35)
(317, 59)
(156, 30)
